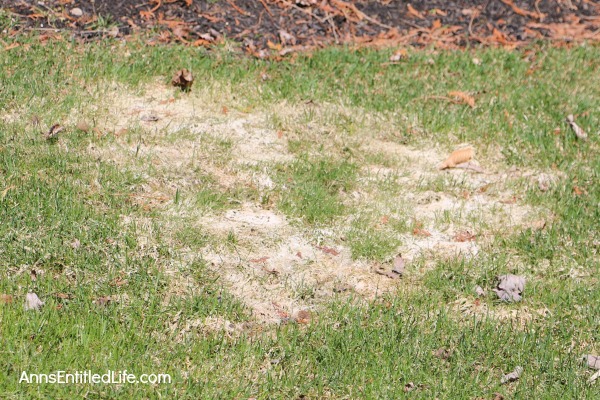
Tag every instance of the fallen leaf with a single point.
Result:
(6, 299)
(103, 301)
(118, 281)
(33, 275)
(83, 126)
(303, 317)
(149, 118)
(458, 156)
(328, 250)
(592, 361)
(33, 302)
(513, 376)
(464, 236)
(443, 353)
(398, 55)
(579, 132)
(183, 79)
(479, 291)
(63, 296)
(415, 13)
(259, 260)
(5, 191)
(463, 98)
(385, 219)
(398, 265)
(498, 396)
(299, 254)
(578, 191)
(510, 287)
(421, 232)
(409, 387)
(384, 272)
(53, 132)
(224, 110)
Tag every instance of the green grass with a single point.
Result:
(63, 214)
(312, 189)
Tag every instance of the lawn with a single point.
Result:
(238, 237)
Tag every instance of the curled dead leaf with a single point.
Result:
(513, 376)
(591, 361)
(399, 264)
(458, 156)
(33, 302)
(510, 287)
(6, 299)
(328, 250)
(464, 236)
(579, 132)
(52, 134)
(463, 97)
(183, 79)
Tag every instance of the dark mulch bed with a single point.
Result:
(266, 27)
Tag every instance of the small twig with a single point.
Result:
(232, 4)
(266, 8)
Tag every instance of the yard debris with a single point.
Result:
(6, 299)
(513, 376)
(458, 156)
(400, 54)
(443, 353)
(33, 302)
(103, 300)
(183, 79)
(464, 236)
(381, 270)
(83, 126)
(479, 291)
(76, 12)
(328, 250)
(591, 361)
(149, 118)
(399, 265)
(52, 134)
(579, 132)
(510, 287)
(303, 317)
(463, 97)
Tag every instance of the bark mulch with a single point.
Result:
(277, 27)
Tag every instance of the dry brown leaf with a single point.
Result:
(183, 79)
(443, 353)
(303, 317)
(400, 54)
(421, 232)
(592, 361)
(510, 287)
(513, 376)
(579, 132)
(33, 275)
(33, 302)
(458, 156)
(83, 126)
(464, 236)
(479, 291)
(328, 250)
(415, 13)
(5, 191)
(63, 296)
(463, 98)
(103, 300)
(53, 132)
(399, 265)
(259, 260)
(6, 299)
